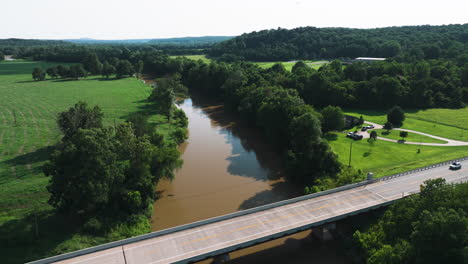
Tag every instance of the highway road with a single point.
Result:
(203, 241)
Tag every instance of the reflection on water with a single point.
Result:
(227, 167)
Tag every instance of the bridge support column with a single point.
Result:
(221, 258)
(324, 232)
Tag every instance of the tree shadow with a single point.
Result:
(366, 154)
(385, 133)
(250, 156)
(280, 191)
(21, 242)
(331, 136)
(38, 155)
(31, 81)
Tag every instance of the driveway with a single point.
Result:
(450, 142)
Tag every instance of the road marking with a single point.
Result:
(422, 173)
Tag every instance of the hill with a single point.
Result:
(312, 43)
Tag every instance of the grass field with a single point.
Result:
(287, 64)
(28, 112)
(447, 123)
(195, 57)
(385, 158)
(412, 137)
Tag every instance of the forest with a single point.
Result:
(305, 43)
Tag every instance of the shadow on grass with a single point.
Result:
(331, 137)
(21, 242)
(31, 81)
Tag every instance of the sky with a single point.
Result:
(133, 19)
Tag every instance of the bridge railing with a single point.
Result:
(396, 175)
(229, 216)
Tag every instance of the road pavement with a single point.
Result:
(187, 245)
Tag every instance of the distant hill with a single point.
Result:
(30, 42)
(185, 41)
(191, 40)
(316, 43)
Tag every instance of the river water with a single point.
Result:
(228, 167)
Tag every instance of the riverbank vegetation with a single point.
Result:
(29, 227)
(430, 227)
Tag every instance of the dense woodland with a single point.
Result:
(427, 228)
(420, 42)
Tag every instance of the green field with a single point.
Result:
(28, 112)
(287, 64)
(447, 123)
(195, 57)
(385, 158)
(412, 137)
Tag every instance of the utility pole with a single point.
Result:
(350, 152)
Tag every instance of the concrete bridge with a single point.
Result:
(221, 235)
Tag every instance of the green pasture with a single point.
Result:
(447, 123)
(385, 158)
(28, 111)
(412, 137)
(195, 57)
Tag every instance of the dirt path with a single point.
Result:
(450, 142)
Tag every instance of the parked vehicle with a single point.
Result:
(455, 166)
(354, 136)
(364, 128)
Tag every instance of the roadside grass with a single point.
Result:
(412, 137)
(386, 158)
(437, 125)
(28, 129)
(195, 57)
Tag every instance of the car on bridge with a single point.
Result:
(455, 166)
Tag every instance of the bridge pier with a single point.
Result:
(221, 258)
(324, 233)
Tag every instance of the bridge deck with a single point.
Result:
(227, 235)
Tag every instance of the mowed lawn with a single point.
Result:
(385, 158)
(195, 57)
(28, 112)
(412, 137)
(447, 123)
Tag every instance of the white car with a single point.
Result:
(455, 166)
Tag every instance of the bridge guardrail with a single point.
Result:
(396, 175)
(228, 216)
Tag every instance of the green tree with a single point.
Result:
(388, 126)
(38, 74)
(332, 118)
(140, 124)
(85, 171)
(107, 69)
(63, 71)
(124, 68)
(80, 116)
(163, 96)
(77, 71)
(92, 64)
(396, 116)
(440, 236)
(403, 134)
(52, 72)
(373, 135)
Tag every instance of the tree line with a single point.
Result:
(91, 65)
(421, 42)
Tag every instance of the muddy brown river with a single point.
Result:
(228, 167)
